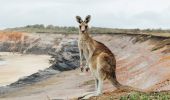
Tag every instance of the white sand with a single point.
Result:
(15, 66)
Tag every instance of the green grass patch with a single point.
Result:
(146, 96)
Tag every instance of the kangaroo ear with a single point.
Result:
(87, 19)
(79, 20)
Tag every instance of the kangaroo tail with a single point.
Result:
(118, 85)
(114, 81)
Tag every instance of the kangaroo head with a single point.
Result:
(83, 25)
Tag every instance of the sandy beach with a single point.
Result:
(16, 66)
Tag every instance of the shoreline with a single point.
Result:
(16, 66)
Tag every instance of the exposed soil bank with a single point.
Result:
(141, 62)
(138, 63)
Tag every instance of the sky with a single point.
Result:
(104, 13)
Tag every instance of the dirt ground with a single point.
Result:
(137, 66)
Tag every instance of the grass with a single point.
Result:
(133, 95)
(147, 96)
(96, 30)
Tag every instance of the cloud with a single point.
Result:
(105, 13)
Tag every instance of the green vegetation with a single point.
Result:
(147, 96)
(40, 28)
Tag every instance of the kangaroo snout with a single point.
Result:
(83, 31)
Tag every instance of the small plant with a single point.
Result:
(147, 96)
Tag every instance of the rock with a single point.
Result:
(40, 75)
(28, 80)
(66, 56)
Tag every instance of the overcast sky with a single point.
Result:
(105, 13)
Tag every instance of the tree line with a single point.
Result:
(41, 28)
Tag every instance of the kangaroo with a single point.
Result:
(99, 59)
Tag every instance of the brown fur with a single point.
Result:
(99, 58)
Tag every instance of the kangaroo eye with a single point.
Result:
(79, 26)
(86, 27)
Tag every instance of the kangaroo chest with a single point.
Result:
(84, 47)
